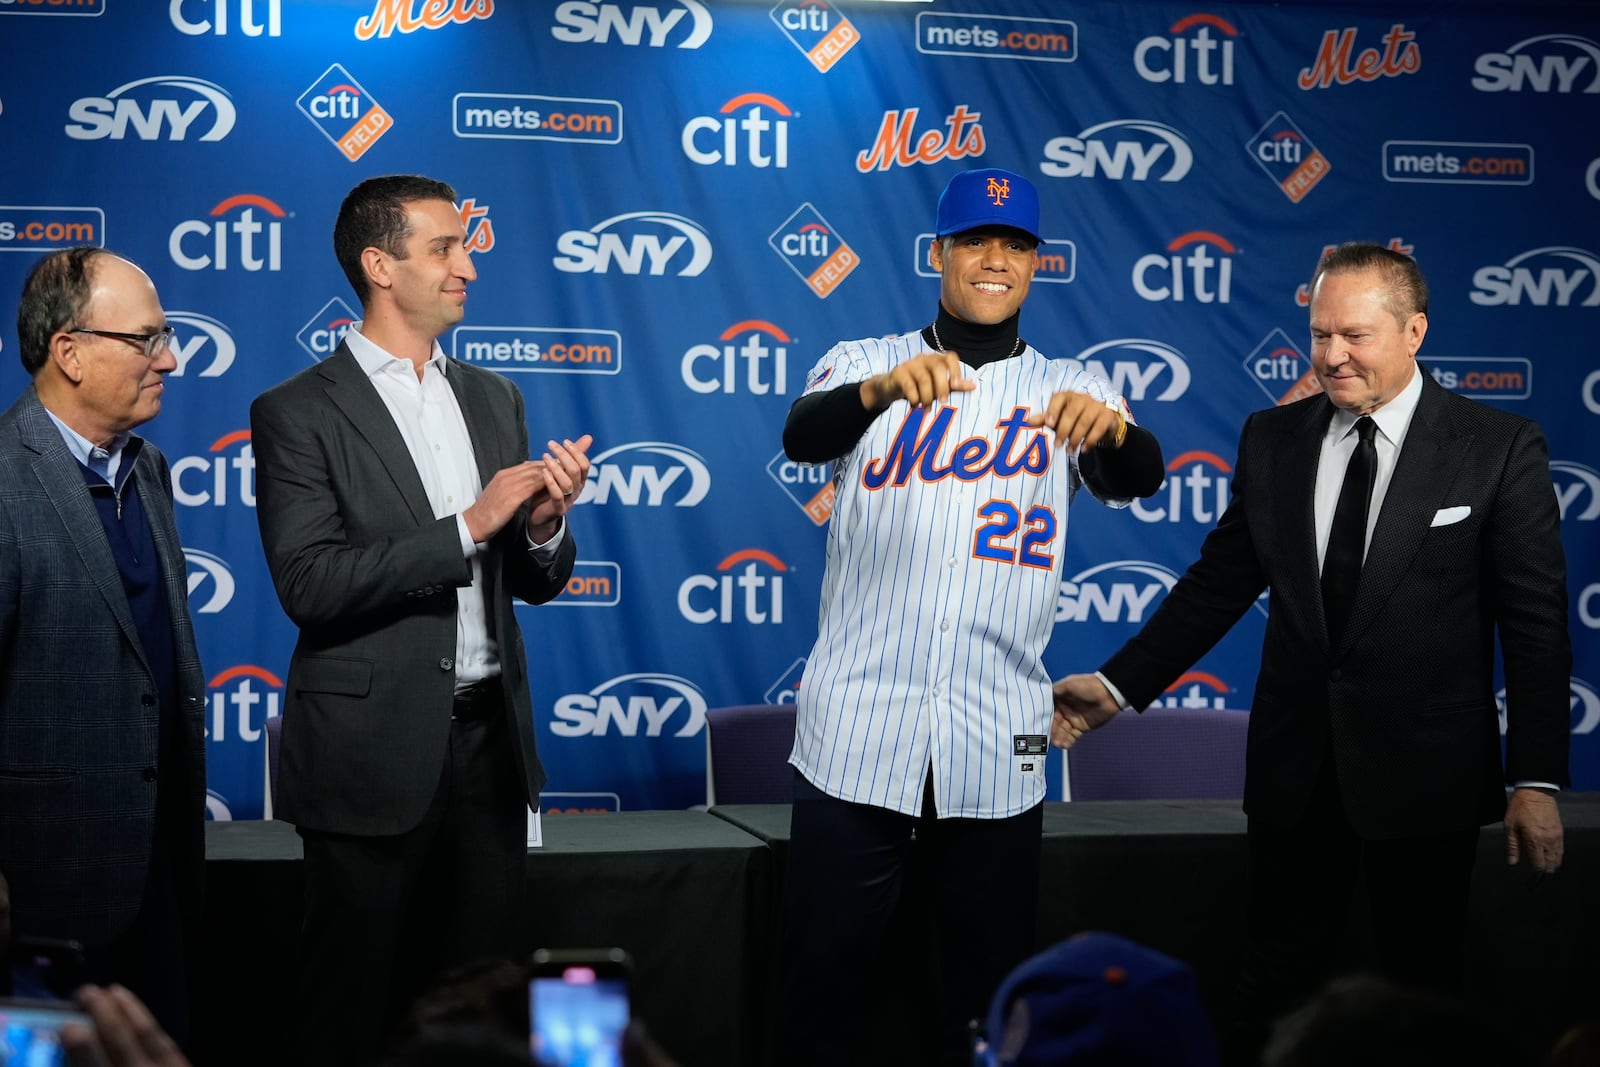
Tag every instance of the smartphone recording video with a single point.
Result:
(30, 1032)
(578, 1006)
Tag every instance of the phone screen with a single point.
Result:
(44, 968)
(30, 1033)
(578, 1012)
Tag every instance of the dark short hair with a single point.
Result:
(373, 215)
(53, 299)
(1405, 291)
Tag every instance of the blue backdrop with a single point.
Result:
(678, 205)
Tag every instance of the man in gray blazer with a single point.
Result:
(400, 514)
(1401, 529)
(102, 750)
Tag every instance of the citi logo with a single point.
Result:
(196, 334)
(1544, 277)
(648, 473)
(154, 117)
(1137, 368)
(1577, 490)
(391, 15)
(709, 140)
(247, 232)
(1205, 58)
(1281, 370)
(1195, 689)
(211, 578)
(657, 704)
(747, 587)
(715, 369)
(822, 34)
(243, 697)
(640, 242)
(1197, 488)
(1199, 274)
(199, 481)
(962, 137)
(1338, 64)
(322, 336)
(1120, 591)
(814, 250)
(1122, 148)
(1549, 63)
(217, 25)
(655, 27)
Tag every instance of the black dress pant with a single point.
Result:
(385, 916)
(845, 870)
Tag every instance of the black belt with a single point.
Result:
(479, 702)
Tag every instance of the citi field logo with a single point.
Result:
(155, 109)
(1121, 591)
(653, 705)
(201, 335)
(1197, 487)
(1484, 378)
(321, 336)
(808, 485)
(217, 24)
(243, 698)
(244, 231)
(787, 687)
(729, 138)
(686, 24)
(1282, 371)
(962, 136)
(1123, 149)
(1058, 259)
(480, 229)
(208, 481)
(1583, 702)
(1577, 490)
(390, 16)
(1338, 63)
(1139, 369)
(1302, 295)
(47, 229)
(1200, 274)
(813, 250)
(748, 587)
(651, 474)
(211, 582)
(1287, 155)
(1180, 57)
(763, 357)
(639, 242)
(79, 7)
(1553, 276)
(997, 37)
(1549, 63)
(347, 115)
(1195, 689)
(537, 349)
(822, 34)
(592, 584)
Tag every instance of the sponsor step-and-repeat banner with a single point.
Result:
(676, 206)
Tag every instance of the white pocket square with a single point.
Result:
(1446, 516)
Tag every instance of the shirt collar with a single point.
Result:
(1392, 418)
(81, 447)
(375, 359)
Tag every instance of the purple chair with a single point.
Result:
(747, 754)
(1163, 754)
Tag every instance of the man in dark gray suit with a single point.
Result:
(400, 515)
(102, 750)
(1399, 527)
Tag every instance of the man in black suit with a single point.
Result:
(1374, 744)
(400, 515)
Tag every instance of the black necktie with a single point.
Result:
(1347, 538)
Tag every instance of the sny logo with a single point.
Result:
(1517, 68)
(196, 330)
(346, 113)
(205, 567)
(630, 701)
(98, 117)
(596, 250)
(1524, 278)
(1140, 145)
(810, 246)
(584, 23)
(619, 470)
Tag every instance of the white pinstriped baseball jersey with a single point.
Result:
(942, 574)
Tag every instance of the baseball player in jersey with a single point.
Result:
(925, 704)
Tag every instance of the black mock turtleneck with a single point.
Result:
(977, 345)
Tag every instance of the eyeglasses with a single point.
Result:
(154, 343)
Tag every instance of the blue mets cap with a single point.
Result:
(989, 197)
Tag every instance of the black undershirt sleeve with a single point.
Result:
(824, 426)
(1134, 470)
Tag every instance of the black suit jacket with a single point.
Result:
(371, 577)
(1407, 700)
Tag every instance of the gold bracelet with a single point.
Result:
(1122, 430)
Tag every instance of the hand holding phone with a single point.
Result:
(578, 1006)
(30, 1031)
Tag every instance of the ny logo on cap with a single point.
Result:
(998, 190)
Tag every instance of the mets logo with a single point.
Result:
(999, 191)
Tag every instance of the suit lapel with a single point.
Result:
(1423, 472)
(1293, 461)
(347, 386)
